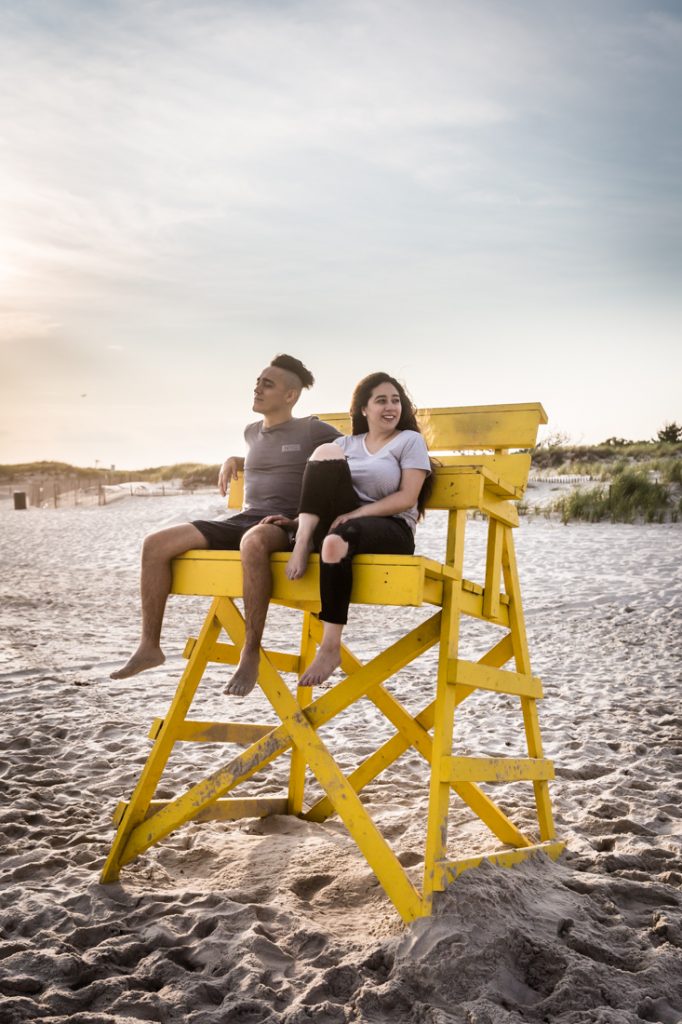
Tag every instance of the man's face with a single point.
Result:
(273, 393)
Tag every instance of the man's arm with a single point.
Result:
(323, 432)
(230, 469)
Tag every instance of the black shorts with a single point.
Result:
(226, 534)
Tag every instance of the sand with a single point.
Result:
(281, 920)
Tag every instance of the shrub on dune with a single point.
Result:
(631, 495)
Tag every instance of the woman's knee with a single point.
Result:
(334, 548)
(326, 452)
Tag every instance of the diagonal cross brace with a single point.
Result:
(261, 753)
(346, 801)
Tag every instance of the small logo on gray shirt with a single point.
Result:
(291, 447)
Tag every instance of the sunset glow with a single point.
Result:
(482, 199)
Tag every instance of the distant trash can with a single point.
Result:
(20, 499)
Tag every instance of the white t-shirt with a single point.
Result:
(377, 475)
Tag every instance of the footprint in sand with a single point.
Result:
(306, 888)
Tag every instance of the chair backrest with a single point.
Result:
(471, 427)
(481, 434)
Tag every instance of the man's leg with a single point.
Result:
(256, 547)
(158, 551)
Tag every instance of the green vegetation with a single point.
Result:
(192, 474)
(574, 459)
(636, 479)
(641, 479)
(632, 495)
(24, 470)
(671, 472)
(670, 432)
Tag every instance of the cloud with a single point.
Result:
(16, 326)
(211, 180)
(141, 142)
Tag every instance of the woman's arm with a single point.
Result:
(411, 481)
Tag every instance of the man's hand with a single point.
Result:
(277, 520)
(230, 470)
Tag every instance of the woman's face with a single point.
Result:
(384, 407)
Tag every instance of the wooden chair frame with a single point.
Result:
(488, 479)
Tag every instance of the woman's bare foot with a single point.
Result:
(246, 676)
(144, 657)
(326, 660)
(298, 560)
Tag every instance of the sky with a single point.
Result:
(480, 198)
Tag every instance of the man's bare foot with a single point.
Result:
(142, 659)
(298, 560)
(326, 660)
(246, 676)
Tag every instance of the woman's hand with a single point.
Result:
(345, 517)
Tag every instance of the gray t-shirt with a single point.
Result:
(377, 475)
(275, 461)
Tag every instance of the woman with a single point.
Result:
(361, 494)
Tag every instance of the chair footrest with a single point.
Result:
(242, 733)
(228, 809)
(495, 769)
(228, 654)
(499, 680)
(447, 870)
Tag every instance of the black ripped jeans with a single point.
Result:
(327, 491)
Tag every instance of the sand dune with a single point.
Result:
(281, 920)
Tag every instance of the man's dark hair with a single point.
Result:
(292, 365)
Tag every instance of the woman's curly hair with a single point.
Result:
(408, 418)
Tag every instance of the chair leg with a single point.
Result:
(439, 791)
(491, 592)
(304, 695)
(160, 752)
(522, 660)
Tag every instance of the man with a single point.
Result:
(278, 448)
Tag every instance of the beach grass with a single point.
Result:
(631, 495)
(635, 480)
(190, 473)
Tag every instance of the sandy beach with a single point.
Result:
(282, 920)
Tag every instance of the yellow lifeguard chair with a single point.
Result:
(486, 477)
